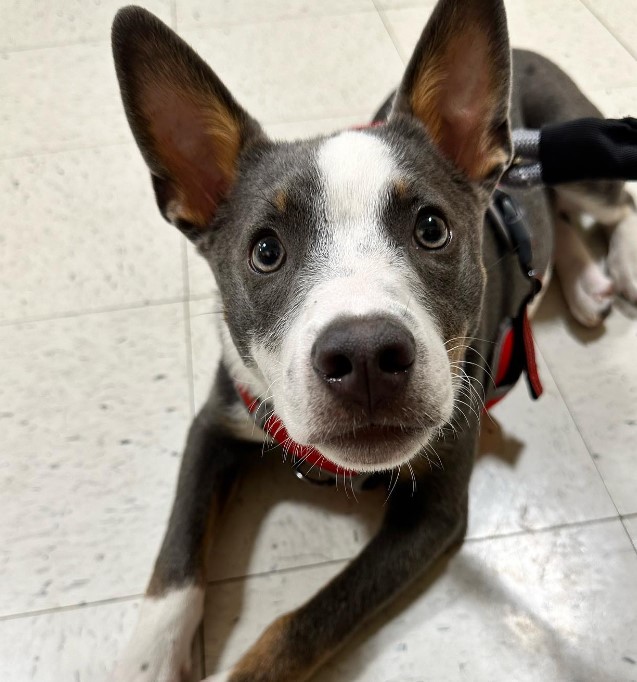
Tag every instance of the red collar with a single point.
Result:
(307, 455)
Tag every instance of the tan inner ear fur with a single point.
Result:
(456, 97)
(196, 140)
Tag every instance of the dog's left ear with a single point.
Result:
(458, 85)
(189, 129)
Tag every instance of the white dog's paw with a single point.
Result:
(589, 295)
(161, 647)
(622, 257)
(218, 677)
(152, 670)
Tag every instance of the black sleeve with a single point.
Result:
(589, 148)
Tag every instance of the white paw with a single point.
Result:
(161, 646)
(218, 677)
(589, 296)
(622, 258)
(166, 669)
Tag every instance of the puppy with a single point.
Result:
(371, 284)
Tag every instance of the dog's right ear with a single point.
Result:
(457, 84)
(187, 125)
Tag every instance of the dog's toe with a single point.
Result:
(590, 297)
(622, 258)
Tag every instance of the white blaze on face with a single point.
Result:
(354, 270)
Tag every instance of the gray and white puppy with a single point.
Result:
(362, 297)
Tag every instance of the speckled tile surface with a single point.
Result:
(619, 18)
(534, 470)
(82, 110)
(94, 406)
(545, 606)
(565, 31)
(631, 526)
(219, 12)
(78, 645)
(81, 231)
(94, 410)
(595, 373)
(31, 23)
(278, 79)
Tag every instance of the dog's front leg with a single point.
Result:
(160, 649)
(417, 530)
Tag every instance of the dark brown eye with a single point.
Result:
(431, 231)
(267, 254)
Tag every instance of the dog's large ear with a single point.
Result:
(458, 85)
(188, 127)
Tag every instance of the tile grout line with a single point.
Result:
(46, 153)
(586, 445)
(70, 607)
(389, 31)
(173, 14)
(206, 25)
(135, 305)
(608, 29)
(630, 539)
(187, 327)
(292, 569)
(200, 635)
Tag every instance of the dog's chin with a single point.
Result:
(374, 448)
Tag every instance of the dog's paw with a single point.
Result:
(589, 296)
(622, 258)
(218, 677)
(161, 647)
(152, 670)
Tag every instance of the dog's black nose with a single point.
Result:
(365, 360)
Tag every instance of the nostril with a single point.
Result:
(335, 366)
(395, 359)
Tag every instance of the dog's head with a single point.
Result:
(349, 267)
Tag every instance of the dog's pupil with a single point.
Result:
(430, 228)
(269, 250)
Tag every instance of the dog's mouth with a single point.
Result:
(372, 447)
(372, 434)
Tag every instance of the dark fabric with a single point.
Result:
(506, 217)
(589, 149)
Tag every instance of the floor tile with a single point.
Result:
(631, 526)
(81, 231)
(217, 12)
(94, 411)
(565, 32)
(278, 79)
(72, 99)
(534, 470)
(206, 350)
(29, 23)
(298, 130)
(546, 606)
(616, 103)
(594, 370)
(201, 281)
(620, 18)
(286, 523)
(78, 645)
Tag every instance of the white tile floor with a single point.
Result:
(106, 348)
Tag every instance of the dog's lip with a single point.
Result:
(370, 434)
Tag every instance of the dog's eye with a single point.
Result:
(431, 231)
(267, 254)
